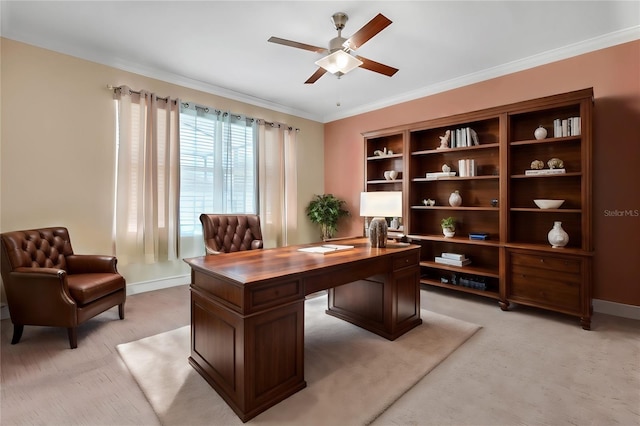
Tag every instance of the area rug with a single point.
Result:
(352, 375)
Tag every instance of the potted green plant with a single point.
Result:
(448, 226)
(326, 210)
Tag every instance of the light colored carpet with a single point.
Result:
(352, 375)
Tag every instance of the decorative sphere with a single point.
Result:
(540, 133)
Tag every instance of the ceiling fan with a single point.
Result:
(339, 60)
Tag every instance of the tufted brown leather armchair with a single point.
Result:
(48, 285)
(225, 233)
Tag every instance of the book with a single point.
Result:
(326, 248)
(454, 256)
(452, 262)
(436, 175)
(575, 126)
(478, 236)
(544, 172)
(474, 137)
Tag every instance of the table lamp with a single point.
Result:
(380, 205)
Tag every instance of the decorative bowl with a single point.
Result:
(548, 204)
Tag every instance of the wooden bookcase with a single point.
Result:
(516, 264)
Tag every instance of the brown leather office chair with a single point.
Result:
(225, 233)
(48, 285)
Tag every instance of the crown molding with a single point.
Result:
(575, 49)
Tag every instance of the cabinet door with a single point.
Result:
(557, 282)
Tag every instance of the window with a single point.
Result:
(176, 161)
(218, 166)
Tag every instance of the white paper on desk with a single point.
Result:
(326, 248)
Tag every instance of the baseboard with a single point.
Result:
(617, 309)
(151, 285)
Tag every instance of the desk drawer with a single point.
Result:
(276, 293)
(406, 259)
(552, 263)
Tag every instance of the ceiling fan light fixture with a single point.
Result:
(339, 62)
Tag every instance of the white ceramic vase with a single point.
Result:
(448, 232)
(558, 236)
(455, 199)
(540, 133)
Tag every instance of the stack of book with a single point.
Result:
(438, 175)
(464, 136)
(466, 167)
(544, 172)
(453, 259)
(566, 127)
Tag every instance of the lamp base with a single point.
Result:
(378, 232)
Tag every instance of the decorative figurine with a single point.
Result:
(537, 165)
(446, 168)
(444, 140)
(555, 163)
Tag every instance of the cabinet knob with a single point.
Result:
(541, 260)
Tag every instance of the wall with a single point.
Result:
(614, 74)
(57, 148)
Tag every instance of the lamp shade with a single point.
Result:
(339, 61)
(381, 204)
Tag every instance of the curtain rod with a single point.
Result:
(186, 104)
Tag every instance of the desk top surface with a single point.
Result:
(258, 265)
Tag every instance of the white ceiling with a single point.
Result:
(221, 46)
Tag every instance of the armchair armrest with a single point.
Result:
(89, 263)
(40, 296)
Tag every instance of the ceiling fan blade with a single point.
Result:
(297, 45)
(374, 66)
(316, 75)
(371, 28)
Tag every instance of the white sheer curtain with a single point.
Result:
(147, 179)
(278, 179)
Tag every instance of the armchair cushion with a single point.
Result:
(86, 288)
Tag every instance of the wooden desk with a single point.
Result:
(247, 312)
